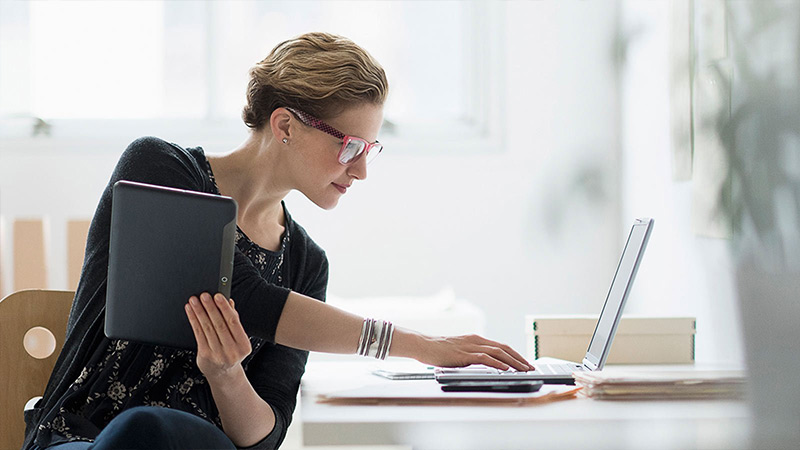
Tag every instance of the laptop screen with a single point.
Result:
(620, 287)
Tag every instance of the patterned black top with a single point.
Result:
(117, 374)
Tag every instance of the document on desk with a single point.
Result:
(403, 370)
(428, 392)
(690, 384)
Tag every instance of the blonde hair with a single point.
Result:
(321, 74)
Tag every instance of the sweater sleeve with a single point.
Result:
(259, 303)
(276, 370)
(154, 161)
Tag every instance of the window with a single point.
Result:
(94, 68)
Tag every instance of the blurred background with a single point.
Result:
(522, 139)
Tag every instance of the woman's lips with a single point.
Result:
(342, 189)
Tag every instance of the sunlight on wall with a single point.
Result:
(120, 56)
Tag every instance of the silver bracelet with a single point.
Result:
(361, 338)
(387, 342)
(375, 338)
(365, 340)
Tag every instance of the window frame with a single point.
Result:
(479, 133)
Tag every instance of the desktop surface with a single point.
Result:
(667, 424)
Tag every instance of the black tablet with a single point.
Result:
(166, 245)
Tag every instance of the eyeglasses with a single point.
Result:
(352, 147)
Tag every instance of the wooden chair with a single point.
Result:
(33, 324)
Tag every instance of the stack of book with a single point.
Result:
(615, 385)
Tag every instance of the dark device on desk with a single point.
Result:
(493, 386)
(604, 331)
(165, 245)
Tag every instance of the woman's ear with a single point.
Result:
(279, 123)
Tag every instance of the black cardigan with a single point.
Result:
(259, 303)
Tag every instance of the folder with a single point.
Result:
(428, 392)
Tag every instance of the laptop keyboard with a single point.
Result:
(540, 369)
(549, 369)
(556, 369)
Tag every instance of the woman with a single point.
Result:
(239, 388)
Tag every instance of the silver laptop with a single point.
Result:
(600, 343)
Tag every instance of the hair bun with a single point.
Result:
(319, 73)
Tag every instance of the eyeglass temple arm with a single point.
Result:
(313, 122)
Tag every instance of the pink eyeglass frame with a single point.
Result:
(313, 122)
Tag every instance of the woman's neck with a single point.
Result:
(251, 175)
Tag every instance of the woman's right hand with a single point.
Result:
(456, 351)
(222, 343)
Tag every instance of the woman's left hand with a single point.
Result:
(456, 351)
(461, 351)
(222, 343)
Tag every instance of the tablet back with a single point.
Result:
(166, 245)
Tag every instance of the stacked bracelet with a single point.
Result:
(375, 339)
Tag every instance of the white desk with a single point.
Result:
(571, 423)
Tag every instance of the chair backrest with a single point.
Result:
(31, 240)
(33, 324)
(30, 255)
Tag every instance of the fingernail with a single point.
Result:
(205, 297)
(193, 300)
(219, 298)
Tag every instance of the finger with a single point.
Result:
(501, 355)
(199, 335)
(205, 322)
(488, 360)
(516, 356)
(218, 322)
(508, 350)
(517, 360)
(231, 318)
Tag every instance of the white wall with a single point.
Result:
(683, 274)
(535, 228)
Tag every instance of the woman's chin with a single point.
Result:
(327, 202)
(326, 199)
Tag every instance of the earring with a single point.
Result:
(285, 141)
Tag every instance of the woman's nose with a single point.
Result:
(358, 169)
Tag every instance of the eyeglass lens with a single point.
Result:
(354, 148)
